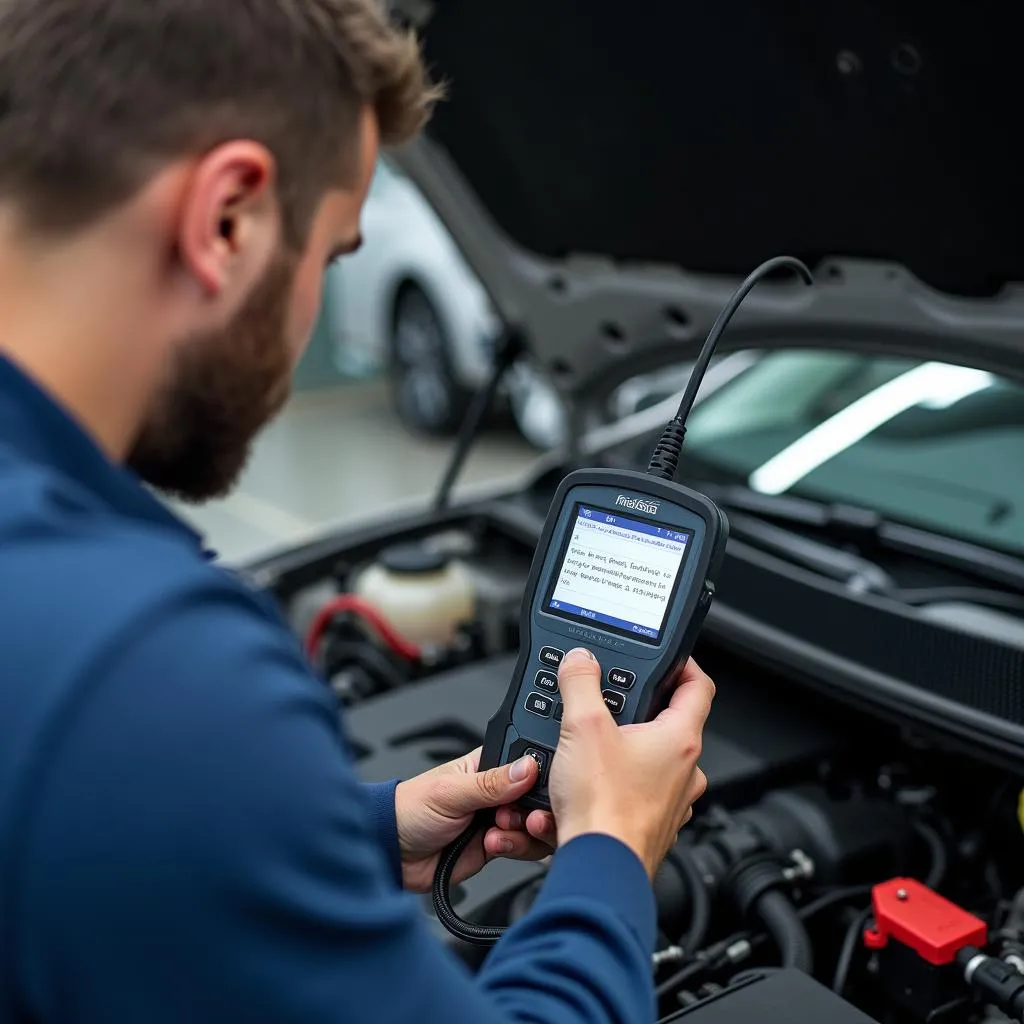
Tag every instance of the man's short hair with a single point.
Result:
(97, 95)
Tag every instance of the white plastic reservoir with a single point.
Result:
(425, 595)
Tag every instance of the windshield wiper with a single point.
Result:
(866, 528)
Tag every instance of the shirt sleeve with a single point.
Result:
(199, 849)
(380, 798)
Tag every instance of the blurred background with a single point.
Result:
(405, 333)
(405, 336)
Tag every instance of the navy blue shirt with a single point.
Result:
(182, 835)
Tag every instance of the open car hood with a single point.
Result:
(611, 172)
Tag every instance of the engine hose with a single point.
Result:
(700, 901)
(756, 890)
(475, 934)
(782, 922)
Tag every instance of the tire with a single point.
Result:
(537, 410)
(428, 397)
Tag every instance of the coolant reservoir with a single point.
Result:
(425, 595)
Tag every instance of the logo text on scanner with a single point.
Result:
(638, 504)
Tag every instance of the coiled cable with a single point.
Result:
(475, 934)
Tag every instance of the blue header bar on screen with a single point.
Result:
(624, 523)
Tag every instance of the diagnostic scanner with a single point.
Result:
(625, 567)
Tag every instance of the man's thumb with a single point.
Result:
(491, 788)
(579, 680)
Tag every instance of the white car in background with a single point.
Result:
(408, 304)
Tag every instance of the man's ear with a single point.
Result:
(229, 224)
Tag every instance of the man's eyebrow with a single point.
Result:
(346, 249)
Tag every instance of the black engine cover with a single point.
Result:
(782, 997)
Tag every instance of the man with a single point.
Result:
(182, 837)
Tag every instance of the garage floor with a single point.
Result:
(337, 456)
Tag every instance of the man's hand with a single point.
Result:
(637, 783)
(434, 809)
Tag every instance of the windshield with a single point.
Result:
(927, 443)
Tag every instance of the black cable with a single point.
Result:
(509, 348)
(476, 934)
(665, 459)
(342, 652)
(709, 958)
(691, 970)
(663, 464)
(940, 859)
(830, 899)
(849, 947)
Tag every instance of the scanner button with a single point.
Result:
(558, 711)
(616, 701)
(542, 762)
(538, 704)
(621, 677)
(546, 681)
(551, 656)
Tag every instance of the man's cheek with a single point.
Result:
(305, 311)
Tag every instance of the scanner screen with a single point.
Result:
(618, 573)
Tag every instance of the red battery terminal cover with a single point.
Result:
(921, 919)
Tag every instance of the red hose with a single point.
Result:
(366, 611)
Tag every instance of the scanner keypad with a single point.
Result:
(546, 681)
(540, 704)
(543, 691)
(551, 656)
(537, 722)
(621, 677)
(616, 701)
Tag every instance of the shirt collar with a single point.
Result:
(35, 427)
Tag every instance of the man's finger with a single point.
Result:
(514, 846)
(694, 694)
(579, 680)
(541, 825)
(516, 819)
(698, 787)
(509, 819)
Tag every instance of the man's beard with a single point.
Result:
(224, 387)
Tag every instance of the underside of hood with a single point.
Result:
(611, 170)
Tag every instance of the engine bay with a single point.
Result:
(842, 862)
(859, 855)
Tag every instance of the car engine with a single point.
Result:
(842, 865)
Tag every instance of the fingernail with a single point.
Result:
(515, 820)
(580, 653)
(505, 846)
(520, 769)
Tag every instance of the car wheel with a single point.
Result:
(537, 408)
(428, 397)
